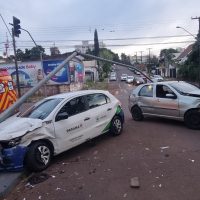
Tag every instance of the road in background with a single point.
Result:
(163, 154)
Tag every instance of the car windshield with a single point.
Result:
(42, 109)
(183, 87)
(130, 77)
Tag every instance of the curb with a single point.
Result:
(8, 180)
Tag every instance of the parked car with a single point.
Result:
(138, 81)
(157, 78)
(123, 77)
(171, 99)
(129, 79)
(55, 125)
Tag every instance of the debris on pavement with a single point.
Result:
(191, 160)
(160, 185)
(134, 183)
(125, 195)
(166, 147)
(147, 149)
(38, 178)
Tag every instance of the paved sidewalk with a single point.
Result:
(8, 181)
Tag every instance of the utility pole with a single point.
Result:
(136, 56)
(198, 43)
(141, 56)
(148, 67)
(16, 65)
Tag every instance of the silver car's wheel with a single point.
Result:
(38, 156)
(116, 126)
(192, 119)
(137, 113)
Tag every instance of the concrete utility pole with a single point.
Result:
(136, 56)
(198, 43)
(141, 56)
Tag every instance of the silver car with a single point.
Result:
(172, 99)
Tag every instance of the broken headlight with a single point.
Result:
(11, 143)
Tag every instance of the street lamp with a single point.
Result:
(198, 43)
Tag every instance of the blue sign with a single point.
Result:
(60, 77)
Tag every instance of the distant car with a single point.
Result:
(56, 124)
(123, 77)
(113, 77)
(129, 79)
(157, 78)
(138, 81)
(171, 99)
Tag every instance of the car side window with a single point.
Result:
(162, 91)
(95, 100)
(146, 91)
(75, 106)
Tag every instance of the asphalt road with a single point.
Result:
(163, 154)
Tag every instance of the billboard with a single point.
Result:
(28, 72)
(61, 77)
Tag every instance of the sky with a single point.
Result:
(124, 26)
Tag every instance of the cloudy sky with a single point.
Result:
(125, 26)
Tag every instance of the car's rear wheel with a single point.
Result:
(116, 126)
(192, 119)
(137, 113)
(38, 156)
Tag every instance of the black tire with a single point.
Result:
(192, 119)
(116, 126)
(38, 156)
(137, 113)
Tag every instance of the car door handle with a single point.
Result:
(87, 118)
(109, 109)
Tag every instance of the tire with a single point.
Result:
(192, 119)
(137, 113)
(116, 126)
(38, 156)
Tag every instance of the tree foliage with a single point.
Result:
(190, 69)
(96, 43)
(30, 54)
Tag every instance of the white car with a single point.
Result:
(55, 125)
(157, 78)
(129, 79)
(123, 77)
(113, 77)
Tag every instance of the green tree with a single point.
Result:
(125, 59)
(36, 51)
(20, 54)
(96, 43)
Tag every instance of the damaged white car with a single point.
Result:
(57, 124)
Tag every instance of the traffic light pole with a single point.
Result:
(16, 65)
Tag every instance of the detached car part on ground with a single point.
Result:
(55, 125)
(171, 99)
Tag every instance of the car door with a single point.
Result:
(166, 102)
(102, 111)
(74, 128)
(146, 99)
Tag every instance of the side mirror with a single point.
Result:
(171, 96)
(62, 116)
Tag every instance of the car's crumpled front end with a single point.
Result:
(11, 157)
(12, 149)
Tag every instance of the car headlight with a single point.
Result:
(14, 142)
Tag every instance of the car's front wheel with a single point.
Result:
(116, 126)
(38, 156)
(192, 119)
(137, 113)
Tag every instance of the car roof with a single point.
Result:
(77, 93)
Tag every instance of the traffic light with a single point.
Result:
(16, 27)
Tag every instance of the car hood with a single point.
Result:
(195, 93)
(17, 126)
